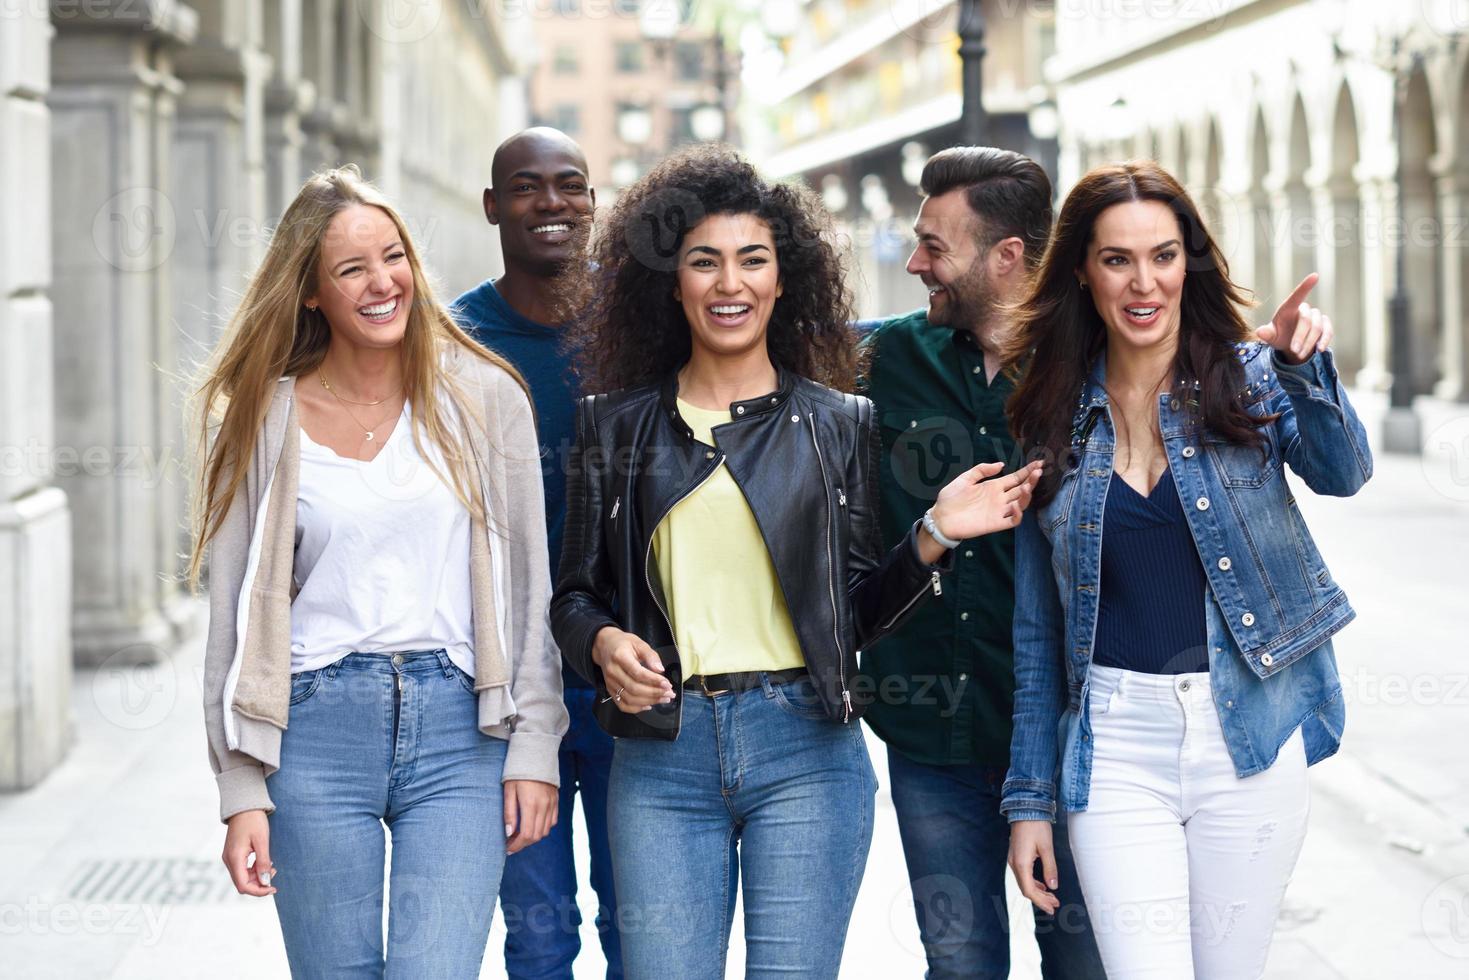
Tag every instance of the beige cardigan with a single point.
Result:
(247, 680)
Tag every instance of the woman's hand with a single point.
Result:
(975, 504)
(530, 812)
(1030, 841)
(1298, 330)
(248, 832)
(633, 670)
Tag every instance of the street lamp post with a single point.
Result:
(973, 126)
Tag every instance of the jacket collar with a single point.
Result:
(785, 383)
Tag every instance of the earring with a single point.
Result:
(1083, 286)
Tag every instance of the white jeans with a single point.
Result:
(1183, 865)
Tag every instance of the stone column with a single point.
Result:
(1378, 197)
(35, 524)
(1453, 210)
(113, 110)
(287, 96)
(318, 63)
(1339, 260)
(218, 192)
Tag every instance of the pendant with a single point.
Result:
(369, 437)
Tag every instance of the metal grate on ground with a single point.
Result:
(151, 881)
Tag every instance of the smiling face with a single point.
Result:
(1134, 269)
(364, 281)
(728, 282)
(541, 193)
(947, 258)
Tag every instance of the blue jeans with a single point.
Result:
(538, 891)
(372, 742)
(759, 783)
(957, 845)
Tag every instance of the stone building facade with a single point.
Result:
(146, 146)
(1280, 119)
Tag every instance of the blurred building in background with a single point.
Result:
(146, 147)
(861, 92)
(630, 80)
(1282, 119)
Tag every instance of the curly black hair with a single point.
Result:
(628, 330)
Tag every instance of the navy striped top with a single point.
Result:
(1151, 615)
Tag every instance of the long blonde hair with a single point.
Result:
(273, 335)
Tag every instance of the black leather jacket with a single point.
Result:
(806, 459)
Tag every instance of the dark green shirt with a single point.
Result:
(944, 683)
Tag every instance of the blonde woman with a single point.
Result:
(371, 503)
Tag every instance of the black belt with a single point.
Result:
(742, 680)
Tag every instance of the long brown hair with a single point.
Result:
(273, 335)
(1059, 334)
(628, 330)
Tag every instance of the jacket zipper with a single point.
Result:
(615, 505)
(933, 583)
(648, 561)
(831, 575)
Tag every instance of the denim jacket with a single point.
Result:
(1271, 605)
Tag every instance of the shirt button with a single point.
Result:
(1188, 452)
(1248, 619)
(1229, 704)
(974, 370)
(1202, 503)
(964, 677)
(913, 424)
(983, 431)
(1225, 564)
(397, 660)
(968, 553)
(964, 615)
(1266, 659)
(709, 454)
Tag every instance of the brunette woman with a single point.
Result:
(721, 567)
(1173, 657)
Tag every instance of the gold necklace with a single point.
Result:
(371, 436)
(321, 375)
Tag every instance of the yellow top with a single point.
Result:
(725, 602)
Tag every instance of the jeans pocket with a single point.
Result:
(799, 698)
(1102, 702)
(465, 681)
(303, 685)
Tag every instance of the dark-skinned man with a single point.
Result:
(540, 198)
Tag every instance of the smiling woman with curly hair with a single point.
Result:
(721, 566)
(631, 328)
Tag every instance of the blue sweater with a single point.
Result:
(535, 350)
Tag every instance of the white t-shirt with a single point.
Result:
(382, 556)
